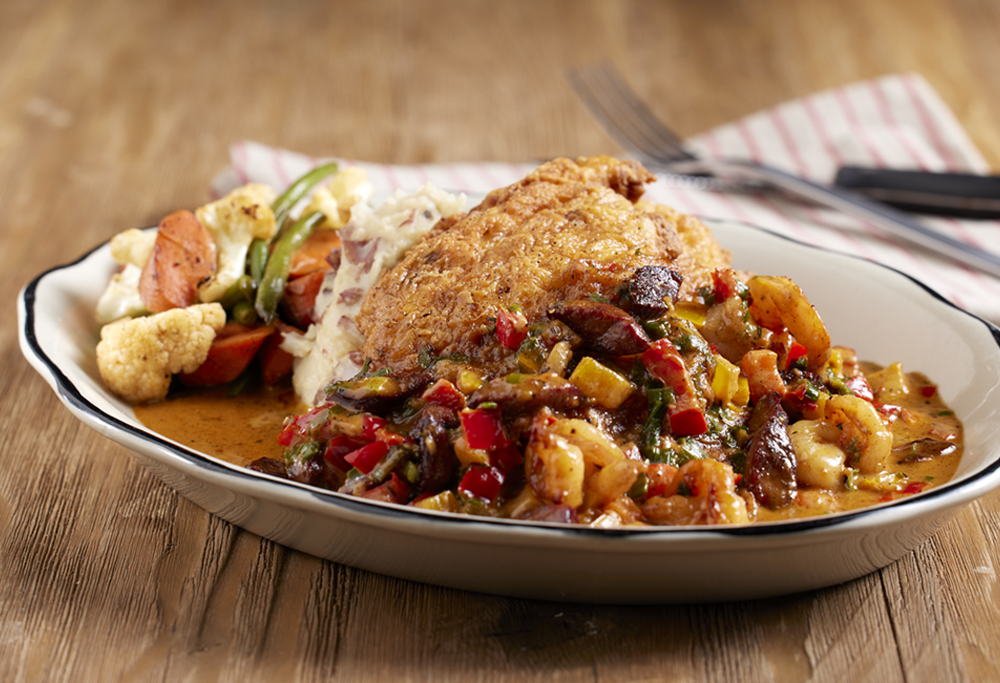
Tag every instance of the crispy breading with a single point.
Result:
(569, 230)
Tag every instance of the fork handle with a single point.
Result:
(885, 217)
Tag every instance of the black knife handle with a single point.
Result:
(961, 195)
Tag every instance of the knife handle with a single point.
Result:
(961, 195)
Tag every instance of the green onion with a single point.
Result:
(640, 487)
(649, 439)
(302, 452)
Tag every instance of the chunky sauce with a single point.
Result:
(924, 415)
(244, 428)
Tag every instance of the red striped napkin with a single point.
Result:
(896, 121)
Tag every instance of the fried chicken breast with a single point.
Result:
(569, 230)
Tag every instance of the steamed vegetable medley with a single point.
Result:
(634, 408)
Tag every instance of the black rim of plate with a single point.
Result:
(69, 393)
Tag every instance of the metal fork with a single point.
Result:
(631, 123)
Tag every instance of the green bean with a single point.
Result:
(242, 289)
(244, 313)
(258, 259)
(284, 204)
(272, 285)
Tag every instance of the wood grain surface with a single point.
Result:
(113, 113)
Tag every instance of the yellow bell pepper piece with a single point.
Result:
(601, 383)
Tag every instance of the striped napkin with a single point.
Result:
(895, 121)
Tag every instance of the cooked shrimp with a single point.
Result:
(596, 447)
(761, 370)
(612, 482)
(553, 465)
(705, 494)
(864, 435)
(851, 433)
(819, 460)
(777, 302)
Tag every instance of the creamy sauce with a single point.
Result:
(923, 416)
(238, 430)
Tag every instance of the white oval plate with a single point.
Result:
(882, 313)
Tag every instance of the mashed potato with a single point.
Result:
(373, 240)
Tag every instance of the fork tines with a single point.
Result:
(617, 107)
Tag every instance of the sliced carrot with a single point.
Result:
(311, 256)
(232, 351)
(275, 362)
(183, 256)
(300, 298)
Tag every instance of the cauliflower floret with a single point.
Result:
(121, 297)
(136, 357)
(335, 199)
(235, 221)
(133, 247)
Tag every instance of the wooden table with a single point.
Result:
(113, 113)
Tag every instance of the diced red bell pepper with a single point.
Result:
(795, 351)
(297, 428)
(860, 387)
(481, 482)
(482, 428)
(366, 457)
(444, 393)
(915, 487)
(394, 490)
(664, 362)
(928, 391)
(687, 422)
(795, 399)
(370, 424)
(230, 354)
(399, 487)
(339, 446)
(507, 458)
(512, 328)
